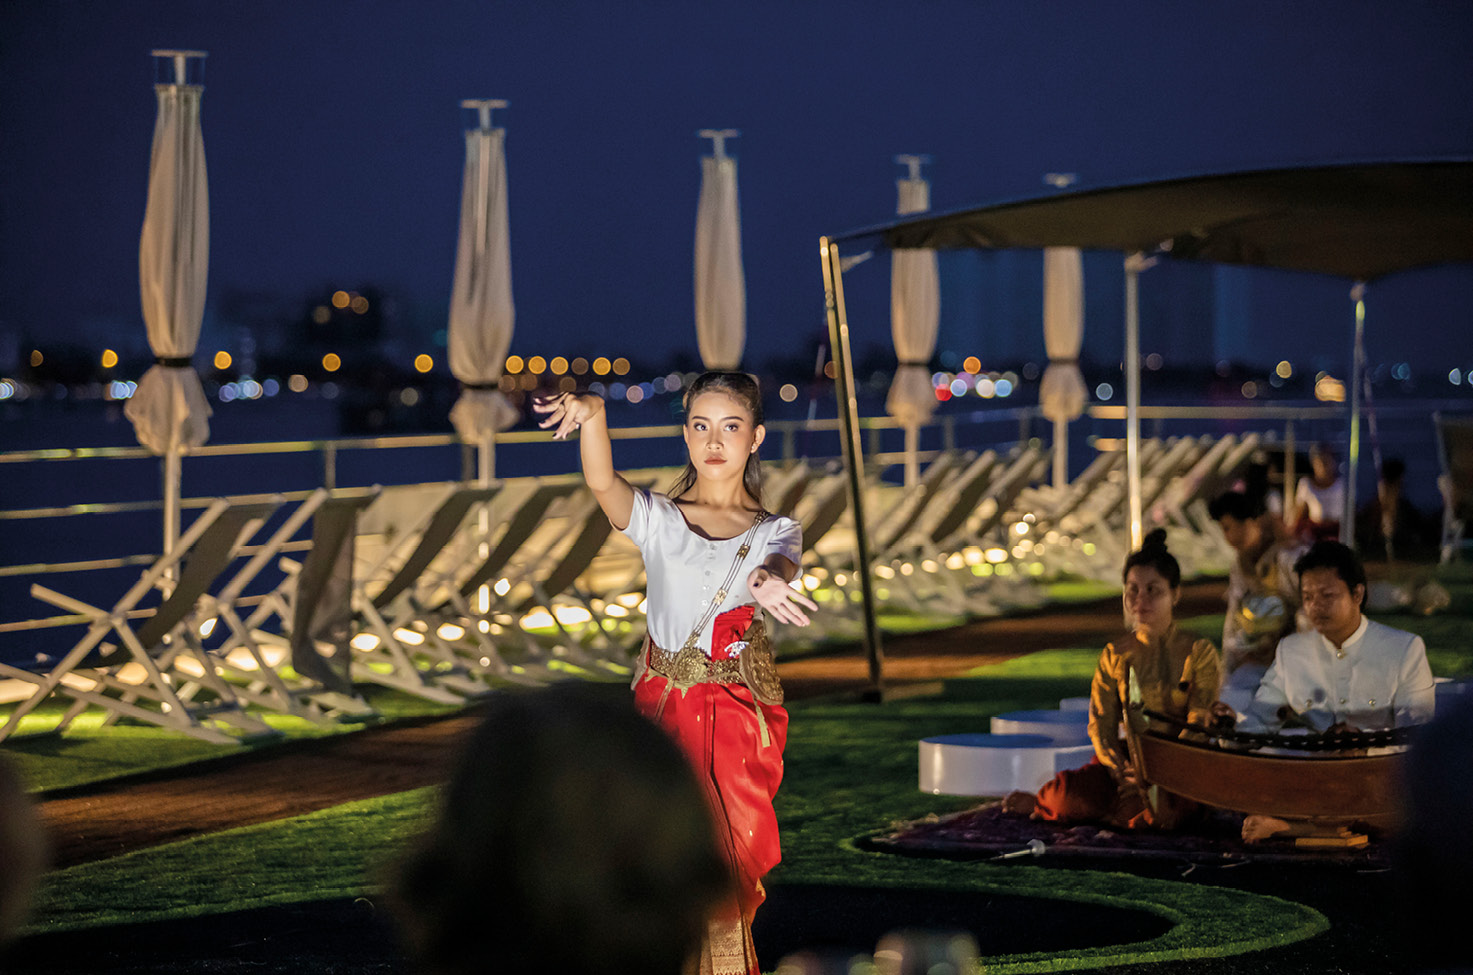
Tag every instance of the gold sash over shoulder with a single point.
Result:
(754, 667)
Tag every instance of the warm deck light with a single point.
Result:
(621, 366)
(601, 366)
(558, 365)
(450, 631)
(1284, 369)
(514, 364)
(359, 304)
(502, 587)
(321, 314)
(1250, 389)
(423, 363)
(579, 366)
(972, 364)
(331, 362)
(341, 299)
(109, 358)
(297, 383)
(37, 358)
(788, 393)
(536, 365)
(222, 359)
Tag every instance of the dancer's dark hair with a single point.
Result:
(1153, 553)
(744, 389)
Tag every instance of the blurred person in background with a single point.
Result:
(1262, 594)
(1319, 500)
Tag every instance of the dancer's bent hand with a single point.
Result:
(777, 597)
(566, 411)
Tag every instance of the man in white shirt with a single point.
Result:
(1349, 674)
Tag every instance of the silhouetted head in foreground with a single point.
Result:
(572, 837)
(23, 852)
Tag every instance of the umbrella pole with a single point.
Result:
(912, 463)
(173, 475)
(833, 281)
(1134, 265)
(1357, 372)
(1061, 453)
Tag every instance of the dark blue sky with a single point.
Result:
(333, 138)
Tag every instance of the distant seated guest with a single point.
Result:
(1319, 500)
(1176, 675)
(23, 852)
(1262, 594)
(573, 837)
(1350, 674)
(1390, 524)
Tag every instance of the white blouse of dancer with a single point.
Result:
(684, 569)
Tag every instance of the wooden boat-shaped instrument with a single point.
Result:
(1325, 784)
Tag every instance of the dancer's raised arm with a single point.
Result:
(570, 411)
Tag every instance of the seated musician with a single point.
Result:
(1174, 673)
(1349, 675)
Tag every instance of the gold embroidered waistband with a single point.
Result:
(691, 666)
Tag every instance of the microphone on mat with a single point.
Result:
(1034, 848)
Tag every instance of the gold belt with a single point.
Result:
(691, 666)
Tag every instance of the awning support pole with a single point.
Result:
(1357, 374)
(833, 287)
(1134, 265)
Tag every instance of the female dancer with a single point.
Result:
(1177, 675)
(705, 673)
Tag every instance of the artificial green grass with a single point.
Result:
(88, 752)
(850, 768)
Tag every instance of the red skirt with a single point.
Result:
(717, 726)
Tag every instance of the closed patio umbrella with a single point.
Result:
(915, 310)
(482, 315)
(1061, 394)
(169, 412)
(721, 290)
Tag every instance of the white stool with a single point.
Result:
(985, 765)
(1064, 727)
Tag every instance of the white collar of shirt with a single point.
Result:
(1350, 641)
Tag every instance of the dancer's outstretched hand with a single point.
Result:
(566, 411)
(777, 597)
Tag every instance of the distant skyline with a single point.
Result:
(332, 133)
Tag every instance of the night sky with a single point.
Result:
(332, 132)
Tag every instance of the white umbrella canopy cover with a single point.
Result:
(915, 310)
(721, 290)
(169, 410)
(1062, 394)
(482, 315)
